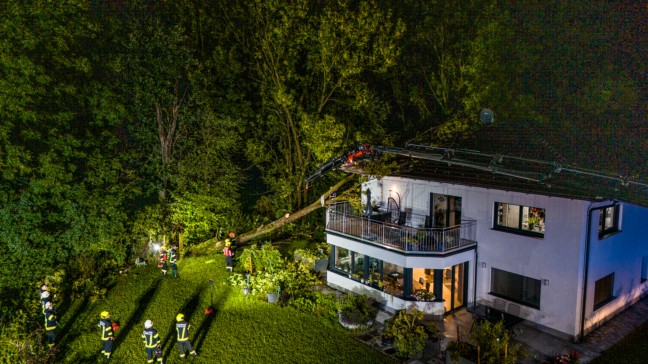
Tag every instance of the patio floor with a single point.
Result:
(539, 345)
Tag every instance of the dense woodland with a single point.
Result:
(123, 122)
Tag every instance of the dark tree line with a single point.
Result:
(123, 122)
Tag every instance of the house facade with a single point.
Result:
(566, 264)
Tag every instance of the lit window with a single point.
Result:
(603, 291)
(520, 219)
(608, 220)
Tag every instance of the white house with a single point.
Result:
(565, 249)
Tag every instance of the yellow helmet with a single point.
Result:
(104, 314)
(180, 317)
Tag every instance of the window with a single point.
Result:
(603, 290)
(393, 279)
(342, 259)
(358, 268)
(608, 220)
(520, 219)
(515, 287)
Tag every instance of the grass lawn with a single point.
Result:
(242, 330)
(630, 350)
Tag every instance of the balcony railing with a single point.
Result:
(412, 236)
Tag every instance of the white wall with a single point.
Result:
(621, 254)
(557, 258)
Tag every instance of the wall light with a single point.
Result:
(483, 264)
(545, 282)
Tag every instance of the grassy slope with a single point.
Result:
(243, 330)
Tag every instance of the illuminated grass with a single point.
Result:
(242, 330)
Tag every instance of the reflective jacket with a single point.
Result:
(173, 257)
(105, 325)
(227, 251)
(182, 328)
(44, 301)
(50, 320)
(150, 338)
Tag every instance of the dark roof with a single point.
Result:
(519, 157)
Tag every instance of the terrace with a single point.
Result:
(405, 232)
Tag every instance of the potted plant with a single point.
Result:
(267, 283)
(423, 295)
(408, 332)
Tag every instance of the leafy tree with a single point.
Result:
(310, 61)
(65, 186)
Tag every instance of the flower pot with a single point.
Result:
(272, 297)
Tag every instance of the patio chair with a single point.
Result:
(513, 309)
(499, 304)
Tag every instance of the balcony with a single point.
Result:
(412, 237)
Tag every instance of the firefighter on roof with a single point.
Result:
(182, 327)
(107, 335)
(151, 340)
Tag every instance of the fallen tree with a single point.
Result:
(324, 200)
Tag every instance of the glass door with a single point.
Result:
(454, 287)
(445, 211)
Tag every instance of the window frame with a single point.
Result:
(604, 232)
(522, 297)
(519, 230)
(599, 302)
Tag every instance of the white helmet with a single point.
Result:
(148, 324)
(45, 294)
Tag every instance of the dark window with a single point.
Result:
(608, 221)
(603, 290)
(515, 287)
(520, 219)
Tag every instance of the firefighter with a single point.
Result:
(43, 288)
(50, 324)
(46, 297)
(107, 335)
(173, 259)
(229, 254)
(151, 340)
(182, 327)
(163, 261)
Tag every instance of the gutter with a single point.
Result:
(475, 283)
(586, 271)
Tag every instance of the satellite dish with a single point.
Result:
(486, 116)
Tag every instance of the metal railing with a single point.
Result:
(411, 236)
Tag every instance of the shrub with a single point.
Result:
(494, 344)
(408, 332)
(356, 311)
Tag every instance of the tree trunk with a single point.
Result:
(322, 202)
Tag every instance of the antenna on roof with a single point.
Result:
(486, 116)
